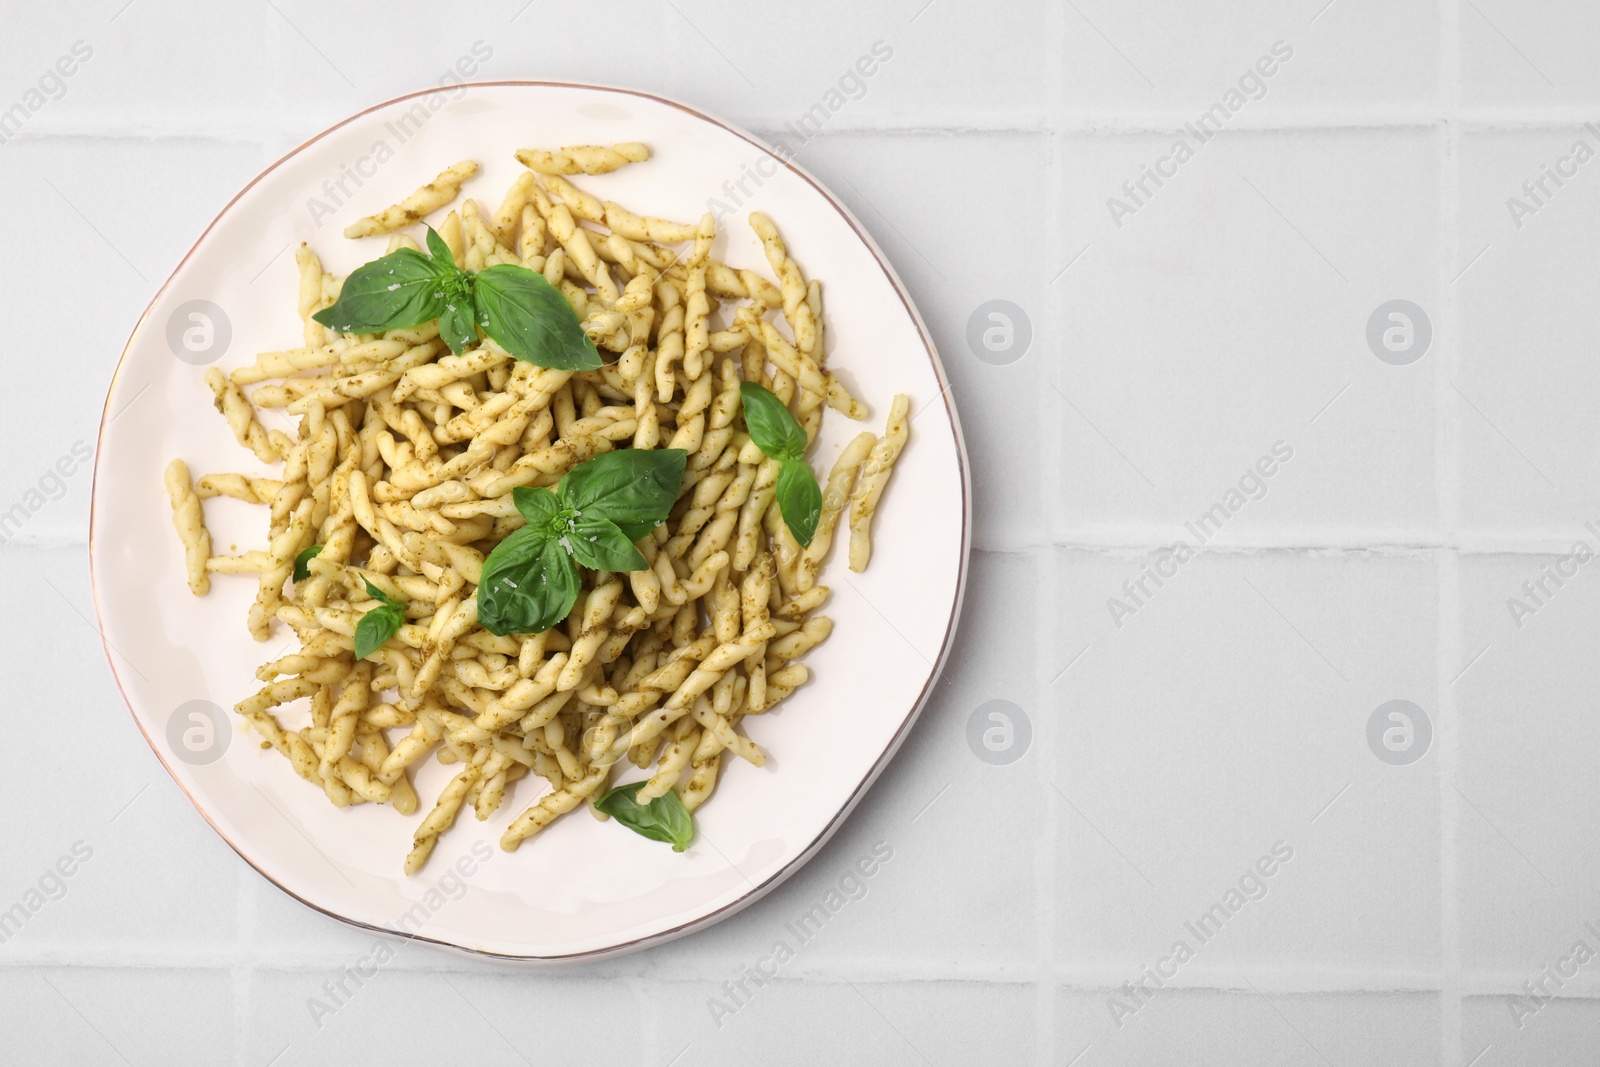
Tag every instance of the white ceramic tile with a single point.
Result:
(151, 64)
(1526, 725)
(968, 64)
(908, 191)
(913, 1023)
(97, 1015)
(1559, 1034)
(1245, 1029)
(1188, 57)
(1226, 720)
(80, 224)
(1513, 54)
(1526, 388)
(285, 933)
(325, 78)
(1229, 313)
(289, 929)
(373, 1008)
(145, 870)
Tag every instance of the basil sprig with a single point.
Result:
(662, 819)
(776, 432)
(379, 624)
(517, 307)
(301, 569)
(595, 514)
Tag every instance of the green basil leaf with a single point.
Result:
(630, 485)
(772, 425)
(530, 318)
(799, 499)
(528, 584)
(456, 325)
(301, 571)
(537, 505)
(598, 544)
(663, 819)
(636, 531)
(440, 250)
(401, 289)
(376, 627)
(380, 596)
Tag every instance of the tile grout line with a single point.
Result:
(1086, 124)
(1447, 476)
(650, 1050)
(1447, 735)
(1046, 854)
(1053, 849)
(1090, 977)
(1308, 981)
(242, 973)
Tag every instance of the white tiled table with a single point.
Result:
(1226, 714)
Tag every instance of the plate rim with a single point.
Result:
(879, 763)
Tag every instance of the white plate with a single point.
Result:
(581, 888)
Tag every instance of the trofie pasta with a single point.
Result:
(404, 521)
